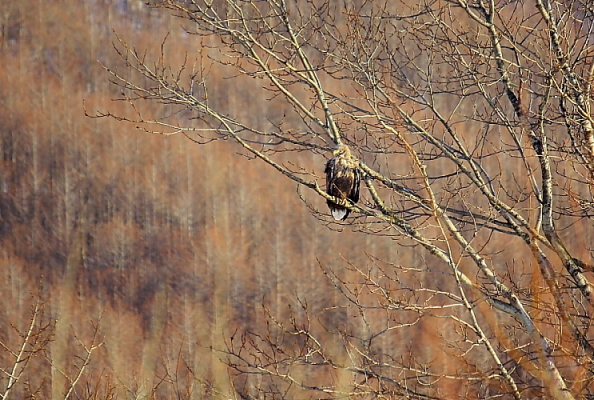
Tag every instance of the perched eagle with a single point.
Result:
(342, 181)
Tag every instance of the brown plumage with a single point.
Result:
(343, 179)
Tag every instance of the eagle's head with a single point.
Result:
(342, 150)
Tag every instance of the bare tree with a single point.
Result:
(34, 341)
(471, 124)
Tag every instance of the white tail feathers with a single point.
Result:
(338, 213)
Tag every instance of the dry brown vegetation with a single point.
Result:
(137, 265)
(153, 248)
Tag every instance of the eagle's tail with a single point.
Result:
(339, 214)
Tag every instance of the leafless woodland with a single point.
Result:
(164, 224)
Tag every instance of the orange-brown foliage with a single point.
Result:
(168, 247)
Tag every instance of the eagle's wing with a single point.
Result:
(356, 185)
(330, 171)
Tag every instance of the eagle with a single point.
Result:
(343, 179)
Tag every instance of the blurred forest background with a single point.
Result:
(153, 247)
(129, 261)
